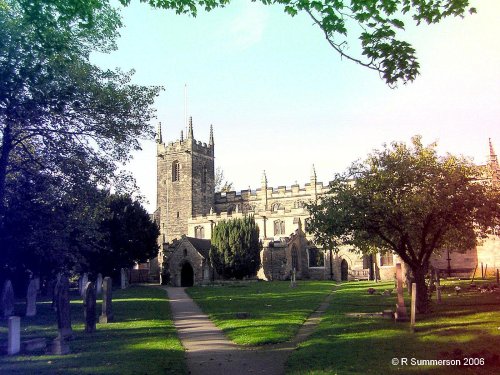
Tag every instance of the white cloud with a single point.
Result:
(247, 27)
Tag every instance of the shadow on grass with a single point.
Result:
(359, 345)
(142, 339)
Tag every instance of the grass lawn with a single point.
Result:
(142, 340)
(463, 326)
(275, 311)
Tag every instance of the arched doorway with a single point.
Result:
(344, 270)
(187, 275)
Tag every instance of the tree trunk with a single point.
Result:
(422, 294)
(4, 161)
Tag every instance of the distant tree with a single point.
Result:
(235, 250)
(221, 185)
(410, 201)
(128, 235)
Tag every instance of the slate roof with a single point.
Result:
(203, 246)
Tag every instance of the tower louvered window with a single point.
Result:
(176, 171)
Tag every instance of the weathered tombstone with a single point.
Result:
(85, 280)
(438, 289)
(293, 282)
(60, 346)
(107, 311)
(63, 308)
(14, 341)
(31, 298)
(413, 305)
(400, 314)
(7, 301)
(98, 284)
(89, 303)
(123, 278)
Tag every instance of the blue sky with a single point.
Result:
(280, 99)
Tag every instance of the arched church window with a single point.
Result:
(279, 227)
(316, 257)
(275, 207)
(199, 232)
(295, 258)
(176, 171)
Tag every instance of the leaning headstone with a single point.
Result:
(89, 303)
(123, 278)
(7, 300)
(400, 314)
(107, 311)
(14, 341)
(98, 284)
(31, 298)
(63, 308)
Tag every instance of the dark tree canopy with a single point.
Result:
(410, 201)
(60, 115)
(235, 250)
(128, 236)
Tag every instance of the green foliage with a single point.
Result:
(464, 325)
(128, 236)
(275, 311)
(235, 250)
(141, 337)
(375, 23)
(408, 200)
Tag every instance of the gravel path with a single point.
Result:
(209, 352)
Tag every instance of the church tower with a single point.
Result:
(185, 182)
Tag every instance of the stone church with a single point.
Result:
(188, 208)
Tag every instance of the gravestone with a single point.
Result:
(98, 284)
(85, 280)
(7, 300)
(123, 278)
(413, 305)
(438, 288)
(61, 295)
(400, 314)
(293, 282)
(14, 340)
(31, 298)
(89, 304)
(60, 346)
(107, 311)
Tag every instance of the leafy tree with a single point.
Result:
(59, 114)
(128, 236)
(235, 250)
(410, 201)
(375, 23)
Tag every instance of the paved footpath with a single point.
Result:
(209, 352)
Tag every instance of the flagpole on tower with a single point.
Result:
(185, 108)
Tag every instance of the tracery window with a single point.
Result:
(279, 227)
(316, 257)
(199, 232)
